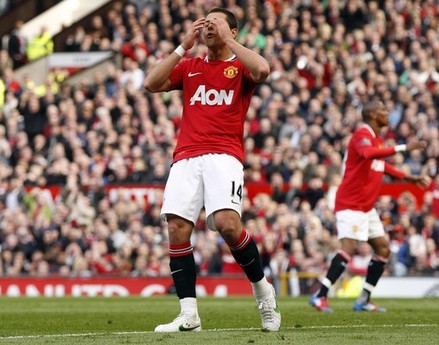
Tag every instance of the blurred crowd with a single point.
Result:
(327, 59)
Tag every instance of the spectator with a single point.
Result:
(40, 45)
(5, 61)
(34, 117)
(132, 76)
(17, 44)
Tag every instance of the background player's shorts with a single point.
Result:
(359, 225)
(215, 181)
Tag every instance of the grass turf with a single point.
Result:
(232, 320)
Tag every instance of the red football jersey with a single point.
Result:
(434, 188)
(364, 167)
(216, 97)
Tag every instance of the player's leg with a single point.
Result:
(224, 188)
(380, 245)
(183, 201)
(244, 250)
(338, 265)
(352, 227)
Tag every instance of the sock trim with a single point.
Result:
(326, 282)
(344, 255)
(180, 250)
(368, 287)
(242, 242)
(189, 304)
(379, 258)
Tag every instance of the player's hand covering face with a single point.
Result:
(216, 29)
(189, 39)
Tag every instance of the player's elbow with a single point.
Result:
(149, 86)
(152, 85)
(261, 74)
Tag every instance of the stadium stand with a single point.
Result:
(68, 147)
(12, 11)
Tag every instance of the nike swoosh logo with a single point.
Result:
(234, 202)
(176, 271)
(181, 328)
(243, 265)
(190, 74)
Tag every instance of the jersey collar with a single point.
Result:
(233, 57)
(365, 125)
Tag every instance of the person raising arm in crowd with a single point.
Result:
(356, 217)
(207, 169)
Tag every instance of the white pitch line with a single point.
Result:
(71, 335)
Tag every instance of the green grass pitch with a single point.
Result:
(232, 320)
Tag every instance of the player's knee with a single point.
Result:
(384, 251)
(228, 229)
(349, 246)
(179, 230)
(227, 222)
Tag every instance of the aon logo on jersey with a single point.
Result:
(212, 96)
(377, 165)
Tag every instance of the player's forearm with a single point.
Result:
(158, 77)
(392, 171)
(421, 181)
(258, 67)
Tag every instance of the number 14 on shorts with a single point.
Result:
(236, 193)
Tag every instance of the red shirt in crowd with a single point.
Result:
(434, 188)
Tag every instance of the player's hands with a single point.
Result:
(421, 181)
(190, 37)
(222, 29)
(416, 145)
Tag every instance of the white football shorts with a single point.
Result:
(215, 181)
(359, 225)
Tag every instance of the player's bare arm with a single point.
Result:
(258, 67)
(416, 145)
(157, 79)
(421, 181)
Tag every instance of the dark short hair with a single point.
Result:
(230, 16)
(369, 108)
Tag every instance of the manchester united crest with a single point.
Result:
(231, 72)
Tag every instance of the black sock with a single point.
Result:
(374, 273)
(247, 256)
(183, 270)
(336, 269)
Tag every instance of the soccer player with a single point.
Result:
(207, 167)
(356, 217)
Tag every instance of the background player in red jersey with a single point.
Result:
(207, 167)
(356, 217)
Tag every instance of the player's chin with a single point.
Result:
(210, 40)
